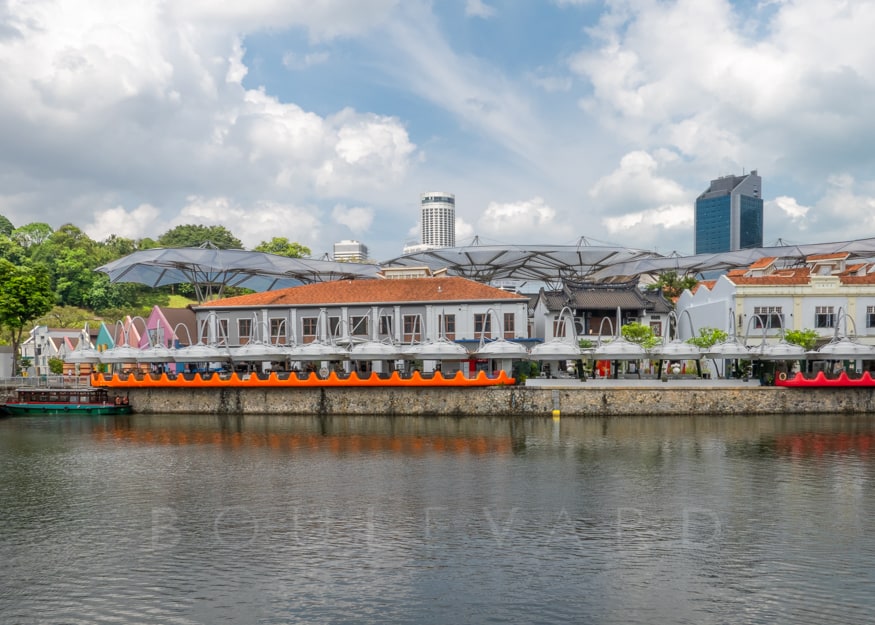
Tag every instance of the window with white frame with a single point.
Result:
(509, 325)
(223, 331)
(412, 328)
(772, 317)
(870, 316)
(309, 326)
(334, 327)
(244, 330)
(482, 325)
(447, 324)
(824, 317)
(277, 330)
(358, 326)
(385, 325)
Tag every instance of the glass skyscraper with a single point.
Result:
(729, 215)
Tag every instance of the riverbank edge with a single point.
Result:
(506, 401)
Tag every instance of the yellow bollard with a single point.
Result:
(556, 415)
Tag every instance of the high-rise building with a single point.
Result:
(438, 219)
(729, 215)
(350, 251)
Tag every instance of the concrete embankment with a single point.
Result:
(609, 398)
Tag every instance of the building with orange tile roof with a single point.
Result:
(345, 312)
(826, 294)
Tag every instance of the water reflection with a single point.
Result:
(194, 519)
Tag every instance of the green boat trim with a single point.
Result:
(65, 400)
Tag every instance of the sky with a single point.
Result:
(552, 121)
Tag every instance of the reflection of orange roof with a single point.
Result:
(833, 256)
(763, 262)
(339, 444)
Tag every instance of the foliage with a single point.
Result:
(585, 343)
(281, 246)
(56, 366)
(672, 284)
(6, 226)
(31, 234)
(192, 235)
(708, 337)
(66, 317)
(807, 339)
(637, 332)
(22, 366)
(25, 294)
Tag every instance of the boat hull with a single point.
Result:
(822, 381)
(54, 409)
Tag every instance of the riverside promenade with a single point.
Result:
(539, 397)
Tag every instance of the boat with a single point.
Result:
(820, 380)
(65, 400)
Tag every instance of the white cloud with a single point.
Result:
(725, 83)
(788, 206)
(635, 181)
(296, 61)
(357, 218)
(478, 8)
(128, 224)
(252, 224)
(513, 221)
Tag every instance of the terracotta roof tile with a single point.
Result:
(833, 256)
(763, 262)
(371, 292)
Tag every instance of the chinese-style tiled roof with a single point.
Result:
(604, 296)
(372, 292)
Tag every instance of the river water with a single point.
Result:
(208, 520)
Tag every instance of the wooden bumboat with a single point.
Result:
(65, 400)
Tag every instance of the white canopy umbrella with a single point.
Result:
(318, 350)
(619, 349)
(439, 349)
(843, 349)
(676, 350)
(155, 354)
(375, 350)
(201, 352)
(257, 351)
(84, 353)
(502, 348)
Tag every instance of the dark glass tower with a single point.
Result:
(729, 215)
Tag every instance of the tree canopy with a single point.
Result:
(281, 246)
(193, 235)
(672, 284)
(25, 295)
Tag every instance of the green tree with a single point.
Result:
(6, 226)
(56, 366)
(807, 339)
(281, 246)
(672, 284)
(191, 235)
(637, 332)
(708, 337)
(32, 234)
(25, 294)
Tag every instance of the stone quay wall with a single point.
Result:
(506, 401)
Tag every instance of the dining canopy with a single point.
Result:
(210, 270)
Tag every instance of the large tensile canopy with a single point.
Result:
(857, 249)
(210, 270)
(554, 265)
